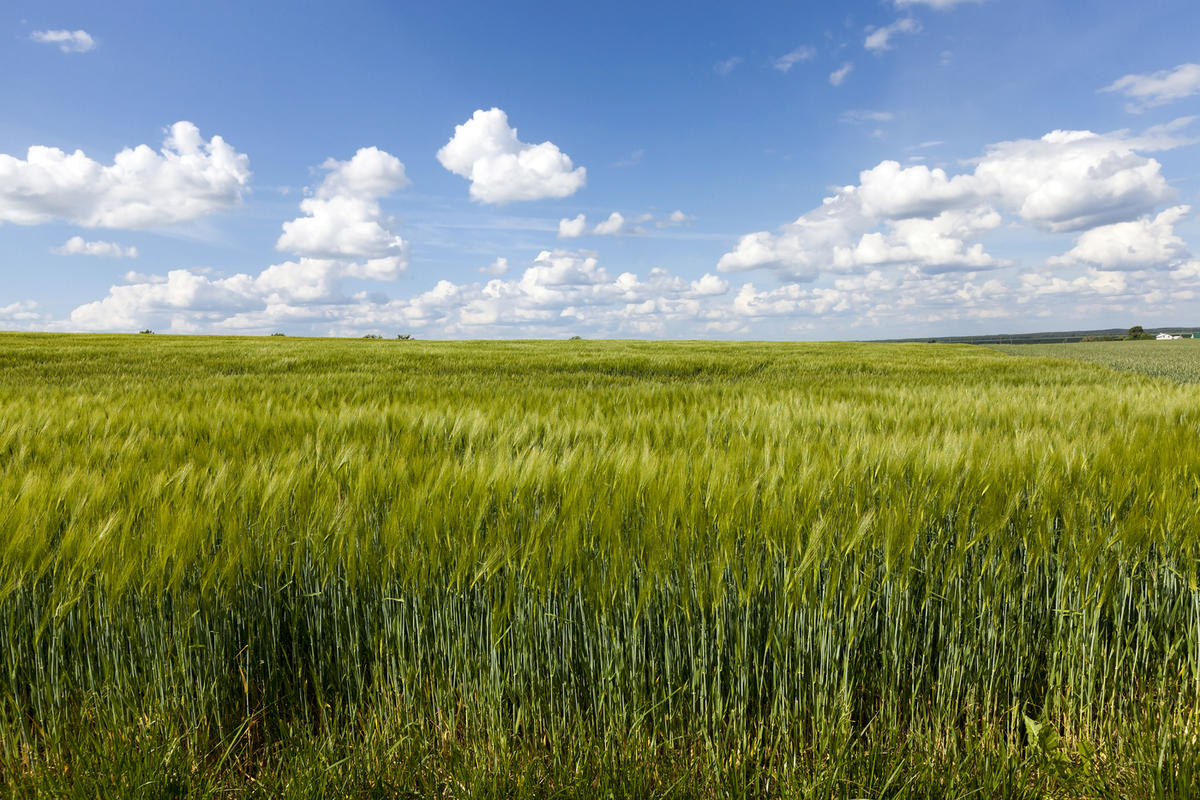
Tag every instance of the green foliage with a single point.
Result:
(529, 569)
(1136, 332)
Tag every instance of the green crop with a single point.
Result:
(231, 565)
(1175, 360)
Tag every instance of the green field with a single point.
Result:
(1177, 360)
(276, 567)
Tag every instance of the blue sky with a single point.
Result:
(799, 170)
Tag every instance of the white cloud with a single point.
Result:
(572, 228)
(1147, 242)
(1072, 180)
(496, 268)
(673, 219)
(558, 291)
(922, 217)
(1157, 88)
(78, 246)
(610, 226)
(22, 315)
(503, 169)
(879, 39)
(341, 235)
(67, 41)
(785, 62)
(343, 218)
(838, 76)
(727, 66)
(187, 179)
(855, 117)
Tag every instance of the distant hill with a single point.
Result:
(1047, 337)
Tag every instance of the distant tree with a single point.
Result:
(404, 337)
(147, 330)
(279, 333)
(1136, 332)
(372, 336)
(575, 338)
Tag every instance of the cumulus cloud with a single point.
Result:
(502, 169)
(1152, 89)
(343, 218)
(610, 226)
(572, 228)
(23, 315)
(1147, 242)
(879, 39)
(788, 60)
(1065, 181)
(558, 290)
(67, 41)
(342, 234)
(1072, 180)
(496, 268)
(676, 217)
(838, 76)
(78, 246)
(187, 179)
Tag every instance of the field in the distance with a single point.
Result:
(289, 567)
(1177, 360)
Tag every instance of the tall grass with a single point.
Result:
(563, 569)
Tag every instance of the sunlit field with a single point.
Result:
(286, 567)
(1177, 360)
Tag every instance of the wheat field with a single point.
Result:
(278, 567)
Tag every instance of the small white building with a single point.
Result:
(1163, 337)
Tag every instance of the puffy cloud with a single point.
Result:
(1147, 242)
(1157, 88)
(1065, 181)
(1102, 283)
(67, 41)
(572, 228)
(78, 246)
(788, 60)
(343, 219)
(22, 316)
(890, 190)
(610, 226)
(1071, 180)
(502, 169)
(341, 235)
(676, 217)
(187, 179)
(558, 290)
(838, 76)
(496, 268)
(879, 39)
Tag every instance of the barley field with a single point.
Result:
(1177, 360)
(277, 567)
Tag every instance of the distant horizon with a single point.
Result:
(579, 337)
(892, 169)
